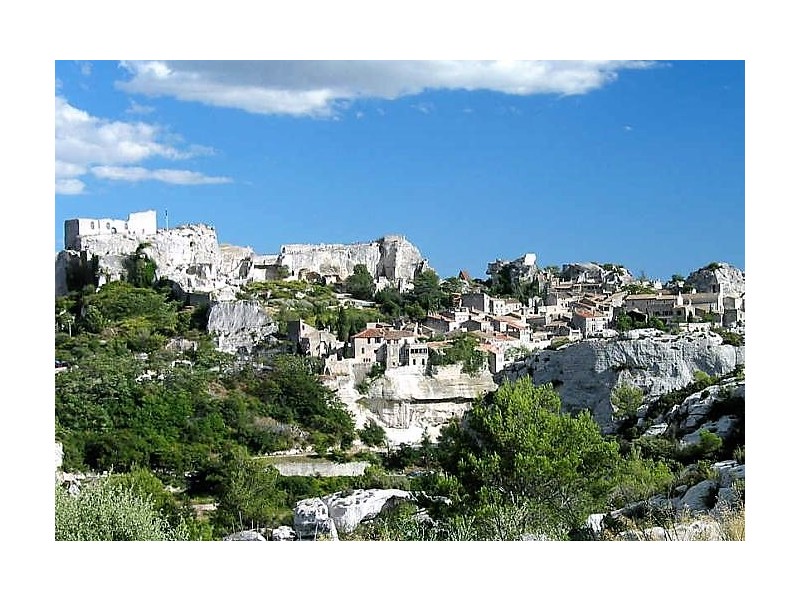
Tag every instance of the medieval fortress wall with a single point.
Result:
(191, 256)
(138, 225)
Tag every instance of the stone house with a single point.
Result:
(383, 345)
(590, 323)
(311, 341)
(659, 305)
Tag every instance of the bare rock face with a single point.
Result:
(239, 325)
(586, 372)
(723, 278)
(407, 403)
(391, 258)
(445, 383)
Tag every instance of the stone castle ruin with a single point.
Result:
(139, 225)
(192, 258)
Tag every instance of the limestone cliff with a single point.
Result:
(391, 258)
(239, 325)
(191, 257)
(406, 402)
(723, 278)
(585, 373)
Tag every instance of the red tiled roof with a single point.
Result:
(388, 334)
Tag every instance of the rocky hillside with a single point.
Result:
(585, 373)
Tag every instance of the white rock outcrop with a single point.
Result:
(245, 536)
(284, 533)
(586, 372)
(445, 383)
(311, 520)
(726, 279)
(239, 325)
(389, 259)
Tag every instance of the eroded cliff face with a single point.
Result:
(586, 372)
(391, 258)
(726, 279)
(406, 402)
(239, 325)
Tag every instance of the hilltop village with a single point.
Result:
(536, 308)
(275, 385)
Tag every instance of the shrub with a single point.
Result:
(372, 434)
(105, 511)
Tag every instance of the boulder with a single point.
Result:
(698, 498)
(284, 533)
(245, 536)
(349, 510)
(311, 520)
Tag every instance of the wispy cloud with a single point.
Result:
(174, 176)
(425, 108)
(139, 109)
(85, 143)
(322, 88)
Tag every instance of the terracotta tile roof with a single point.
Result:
(387, 334)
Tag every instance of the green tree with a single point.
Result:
(293, 394)
(249, 495)
(427, 292)
(372, 434)
(516, 449)
(626, 400)
(140, 270)
(360, 284)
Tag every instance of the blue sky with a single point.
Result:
(638, 163)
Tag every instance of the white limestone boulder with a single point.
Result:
(348, 510)
(245, 536)
(284, 533)
(311, 520)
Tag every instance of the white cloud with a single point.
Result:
(318, 88)
(85, 142)
(69, 187)
(139, 109)
(174, 176)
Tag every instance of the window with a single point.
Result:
(92, 224)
